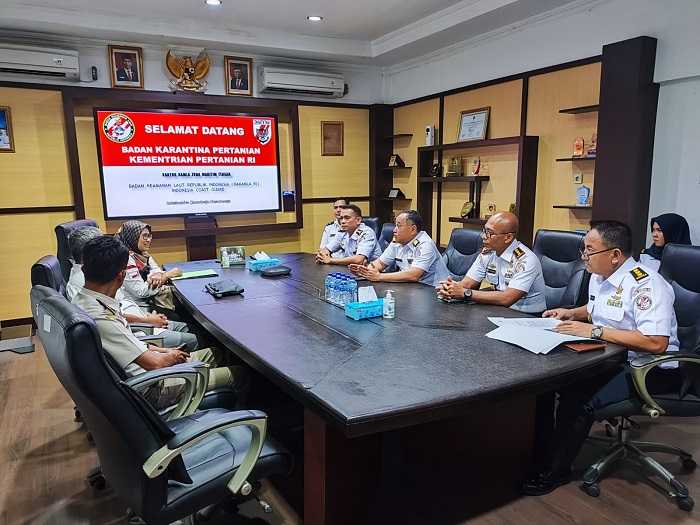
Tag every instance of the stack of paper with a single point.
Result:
(531, 333)
(196, 274)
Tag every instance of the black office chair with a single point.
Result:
(162, 470)
(386, 236)
(565, 276)
(679, 266)
(63, 231)
(462, 250)
(47, 272)
(373, 222)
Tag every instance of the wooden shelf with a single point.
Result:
(463, 178)
(473, 144)
(572, 207)
(392, 168)
(399, 136)
(574, 159)
(396, 198)
(580, 109)
(467, 220)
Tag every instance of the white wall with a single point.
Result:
(565, 34)
(364, 81)
(675, 181)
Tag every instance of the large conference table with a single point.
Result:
(424, 394)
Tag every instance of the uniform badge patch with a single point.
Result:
(518, 252)
(638, 274)
(643, 301)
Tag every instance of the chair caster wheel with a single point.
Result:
(688, 464)
(593, 490)
(685, 504)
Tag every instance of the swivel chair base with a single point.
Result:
(621, 447)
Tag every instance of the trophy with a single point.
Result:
(591, 151)
(578, 147)
(466, 210)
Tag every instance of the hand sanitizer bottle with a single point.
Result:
(389, 311)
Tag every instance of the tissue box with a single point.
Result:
(255, 265)
(365, 310)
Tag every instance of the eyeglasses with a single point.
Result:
(587, 255)
(146, 236)
(487, 234)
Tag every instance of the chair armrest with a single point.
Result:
(642, 365)
(197, 431)
(196, 377)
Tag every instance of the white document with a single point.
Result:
(366, 294)
(543, 323)
(535, 340)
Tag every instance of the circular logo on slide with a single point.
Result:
(118, 127)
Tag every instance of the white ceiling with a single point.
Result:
(375, 31)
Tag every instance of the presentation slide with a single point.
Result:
(155, 163)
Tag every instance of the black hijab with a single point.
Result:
(675, 230)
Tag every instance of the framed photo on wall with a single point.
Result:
(7, 143)
(473, 124)
(239, 76)
(332, 138)
(126, 67)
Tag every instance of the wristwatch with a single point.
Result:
(597, 332)
(467, 294)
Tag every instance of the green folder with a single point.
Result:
(196, 274)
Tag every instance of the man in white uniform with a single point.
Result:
(412, 250)
(356, 241)
(629, 304)
(333, 228)
(512, 269)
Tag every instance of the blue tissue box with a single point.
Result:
(255, 265)
(365, 310)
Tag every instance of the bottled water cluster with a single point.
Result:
(340, 289)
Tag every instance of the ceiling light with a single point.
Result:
(212, 2)
(314, 18)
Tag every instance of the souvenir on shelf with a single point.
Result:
(583, 194)
(454, 167)
(476, 166)
(591, 151)
(466, 210)
(396, 162)
(578, 147)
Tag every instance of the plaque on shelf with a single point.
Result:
(396, 162)
(396, 193)
(583, 194)
(578, 147)
(454, 167)
(473, 124)
(466, 210)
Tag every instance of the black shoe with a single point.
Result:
(545, 482)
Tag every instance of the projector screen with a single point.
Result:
(157, 163)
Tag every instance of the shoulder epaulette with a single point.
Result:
(328, 224)
(518, 252)
(638, 274)
(415, 242)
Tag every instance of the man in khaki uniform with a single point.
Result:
(104, 266)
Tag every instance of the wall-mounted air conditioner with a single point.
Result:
(29, 60)
(300, 82)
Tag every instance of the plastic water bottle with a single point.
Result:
(335, 282)
(344, 290)
(389, 311)
(353, 290)
(327, 288)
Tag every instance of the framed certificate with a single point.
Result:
(473, 124)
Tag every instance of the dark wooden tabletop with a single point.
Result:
(367, 376)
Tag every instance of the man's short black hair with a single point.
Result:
(344, 199)
(103, 258)
(356, 209)
(615, 234)
(414, 218)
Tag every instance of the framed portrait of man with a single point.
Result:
(126, 67)
(239, 76)
(7, 143)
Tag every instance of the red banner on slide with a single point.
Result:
(139, 138)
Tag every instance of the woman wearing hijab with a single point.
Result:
(146, 282)
(665, 229)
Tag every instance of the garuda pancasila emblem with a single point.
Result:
(189, 75)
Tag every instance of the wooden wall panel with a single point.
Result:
(36, 174)
(504, 100)
(547, 94)
(25, 238)
(412, 118)
(338, 175)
